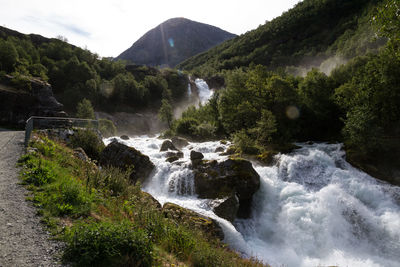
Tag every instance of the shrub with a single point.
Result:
(205, 130)
(244, 142)
(107, 128)
(108, 244)
(39, 175)
(85, 110)
(46, 147)
(89, 141)
(70, 197)
(186, 126)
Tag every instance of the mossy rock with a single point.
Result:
(216, 180)
(190, 218)
(121, 156)
(150, 200)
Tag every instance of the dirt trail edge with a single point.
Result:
(23, 240)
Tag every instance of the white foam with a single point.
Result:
(312, 209)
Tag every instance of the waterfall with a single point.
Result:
(312, 209)
(204, 91)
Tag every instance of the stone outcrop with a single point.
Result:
(192, 219)
(216, 180)
(18, 104)
(215, 82)
(167, 145)
(125, 157)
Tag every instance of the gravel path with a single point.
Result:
(23, 240)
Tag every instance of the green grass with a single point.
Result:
(106, 221)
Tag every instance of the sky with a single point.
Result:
(110, 27)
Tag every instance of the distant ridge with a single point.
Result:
(174, 41)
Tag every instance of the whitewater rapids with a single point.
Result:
(312, 209)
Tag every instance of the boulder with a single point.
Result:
(194, 155)
(216, 180)
(219, 149)
(178, 154)
(167, 145)
(179, 142)
(192, 219)
(125, 157)
(172, 159)
(228, 208)
(124, 137)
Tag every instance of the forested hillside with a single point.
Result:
(307, 34)
(263, 107)
(76, 73)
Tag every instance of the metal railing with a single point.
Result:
(36, 122)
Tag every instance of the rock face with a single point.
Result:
(225, 179)
(124, 157)
(173, 41)
(215, 82)
(167, 145)
(18, 104)
(192, 219)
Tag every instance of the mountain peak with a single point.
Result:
(173, 41)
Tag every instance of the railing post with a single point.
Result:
(28, 130)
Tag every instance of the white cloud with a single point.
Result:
(110, 27)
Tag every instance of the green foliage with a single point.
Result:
(75, 74)
(305, 34)
(21, 82)
(39, 174)
(71, 198)
(89, 141)
(165, 113)
(266, 128)
(107, 128)
(108, 244)
(186, 126)
(85, 110)
(179, 241)
(8, 56)
(205, 131)
(112, 181)
(244, 142)
(362, 130)
(387, 19)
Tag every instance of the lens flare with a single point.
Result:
(171, 42)
(292, 112)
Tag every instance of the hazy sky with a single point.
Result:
(110, 27)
